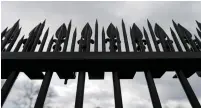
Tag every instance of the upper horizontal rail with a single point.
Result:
(99, 55)
(104, 61)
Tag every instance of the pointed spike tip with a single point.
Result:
(171, 29)
(18, 20)
(70, 22)
(133, 26)
(44, 21)
(173, 22)
(156, 25)
(179, 25)
(148, 20)
(103, 29)
(122, 20)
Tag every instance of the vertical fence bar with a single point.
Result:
(198, 42)
(9, 34)
(116, 74)
(31, 46)
(80, 90)
(96, 37)
(186, 86)
(13, 40)
(150, 82)
(72, 46)
(19, 44)
(3, 33)
(30, 38)
(152, 90)
(11, 79)
(153, 36)
(176, 41)
(199, 24)
(73, 40)
(178, 30)
(103, 40)
(188, 90)
(147, 40)
(36, 40)
(188, 37)
(45, 84)
(118, 40)
(67, 37)
(8, 85)
(50, 44)
(161, 35)
(43, 90)
(43, 41)
(13, 76)
(125, 36)
(84, 46)
(133, 40)
(47, 79)
(11, 37)
(111, 32)
(137, 37)
(199, 32)
(60, 35)
(117, 90)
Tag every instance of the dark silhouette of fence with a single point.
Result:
(123, 65)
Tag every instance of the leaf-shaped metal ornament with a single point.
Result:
(58, 31)
(32, 31)
(4, 32)
(111, 31)
(86, 31)
(92, 41)
(15, 31)
(55, 47)
(160, 33)
(187, 33)
(137, 33)
(89, 31)
(24, 41)
(64, 31)
(199, 24)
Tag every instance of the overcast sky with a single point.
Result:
(100, 92)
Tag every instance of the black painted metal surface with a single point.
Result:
(123, 65)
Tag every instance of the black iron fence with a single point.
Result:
(123, 65)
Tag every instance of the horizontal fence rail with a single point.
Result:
(154, 53)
